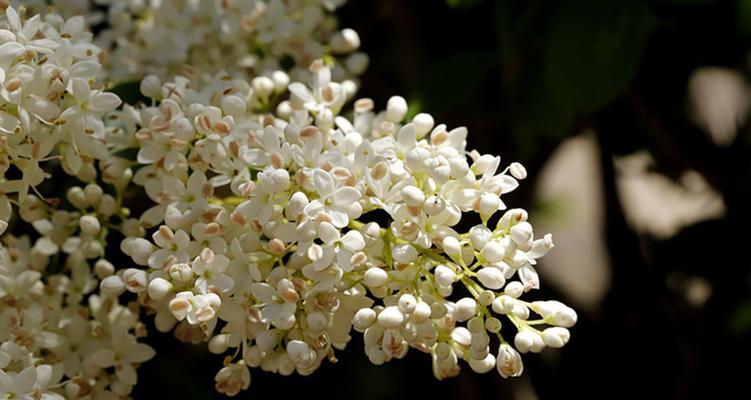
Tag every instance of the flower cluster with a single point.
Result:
(195, 37)
(260, 214)
(258, 246)
(57, 336)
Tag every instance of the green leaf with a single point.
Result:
(569, 58)
(463, 4)
(594, 50)
(453, 80)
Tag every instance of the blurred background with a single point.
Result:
(631, 118)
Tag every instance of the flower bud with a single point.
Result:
(517, 170)
(139, 249)
(488, 204)
(298, 351)
(107, 205)
(93, 193)
(444, 275)
(493, 325)
(89, 225)
(158, 288)
(521, 233)
(527, 340)
(423, 124)
(475, 325)
(407, 303)
(491, 278)
(438, 310)
(112, 286)
(357, 62)
(364, 318)
(509, 362)
(514, 289)
(219, 343)
(396, 109)
(421, 313)
(451, 246)
(486, 297)
(461, 335)
(434, 205)
(344, 41)
(503, 304)
(375, 277)
(77, 197)
(513, 217)
(413, 196)
(253, 356)
(556, 337)
(281, 80)
(482, 366)
(180, 272)
(390, 317)
(404, 253)
(493, 252)
(103, 268)
(233, 105)
(466, 308)
(151, 86)
(135, 280)
(479, 236)
(565, 317)
(317, 321)
(263, 86)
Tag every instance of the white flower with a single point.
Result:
(335, 204)
(84, 116)
(124, 353)
(278, 303)
(233, 378)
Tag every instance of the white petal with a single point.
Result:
(103, 358)
(139, 352)
(338, 218)
(85, 69)
(313, 209)
(25, 380)
(150, 154)
(74, 25)
(263, 292)
(80, 89)
(406, 138)
(353, 240)
(13, 19)
(44, 375)
(328, 233)
(10, 51)
(104, 101)
(299, 90)
(224, 283)
(127, 373)
(346, 195)
(323, 182)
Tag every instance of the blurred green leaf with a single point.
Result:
(129, 92)
(453, 80)
(744, 16)
(595, 49)
(463, 4)
(586, 53)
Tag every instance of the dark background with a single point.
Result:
(526, 76)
